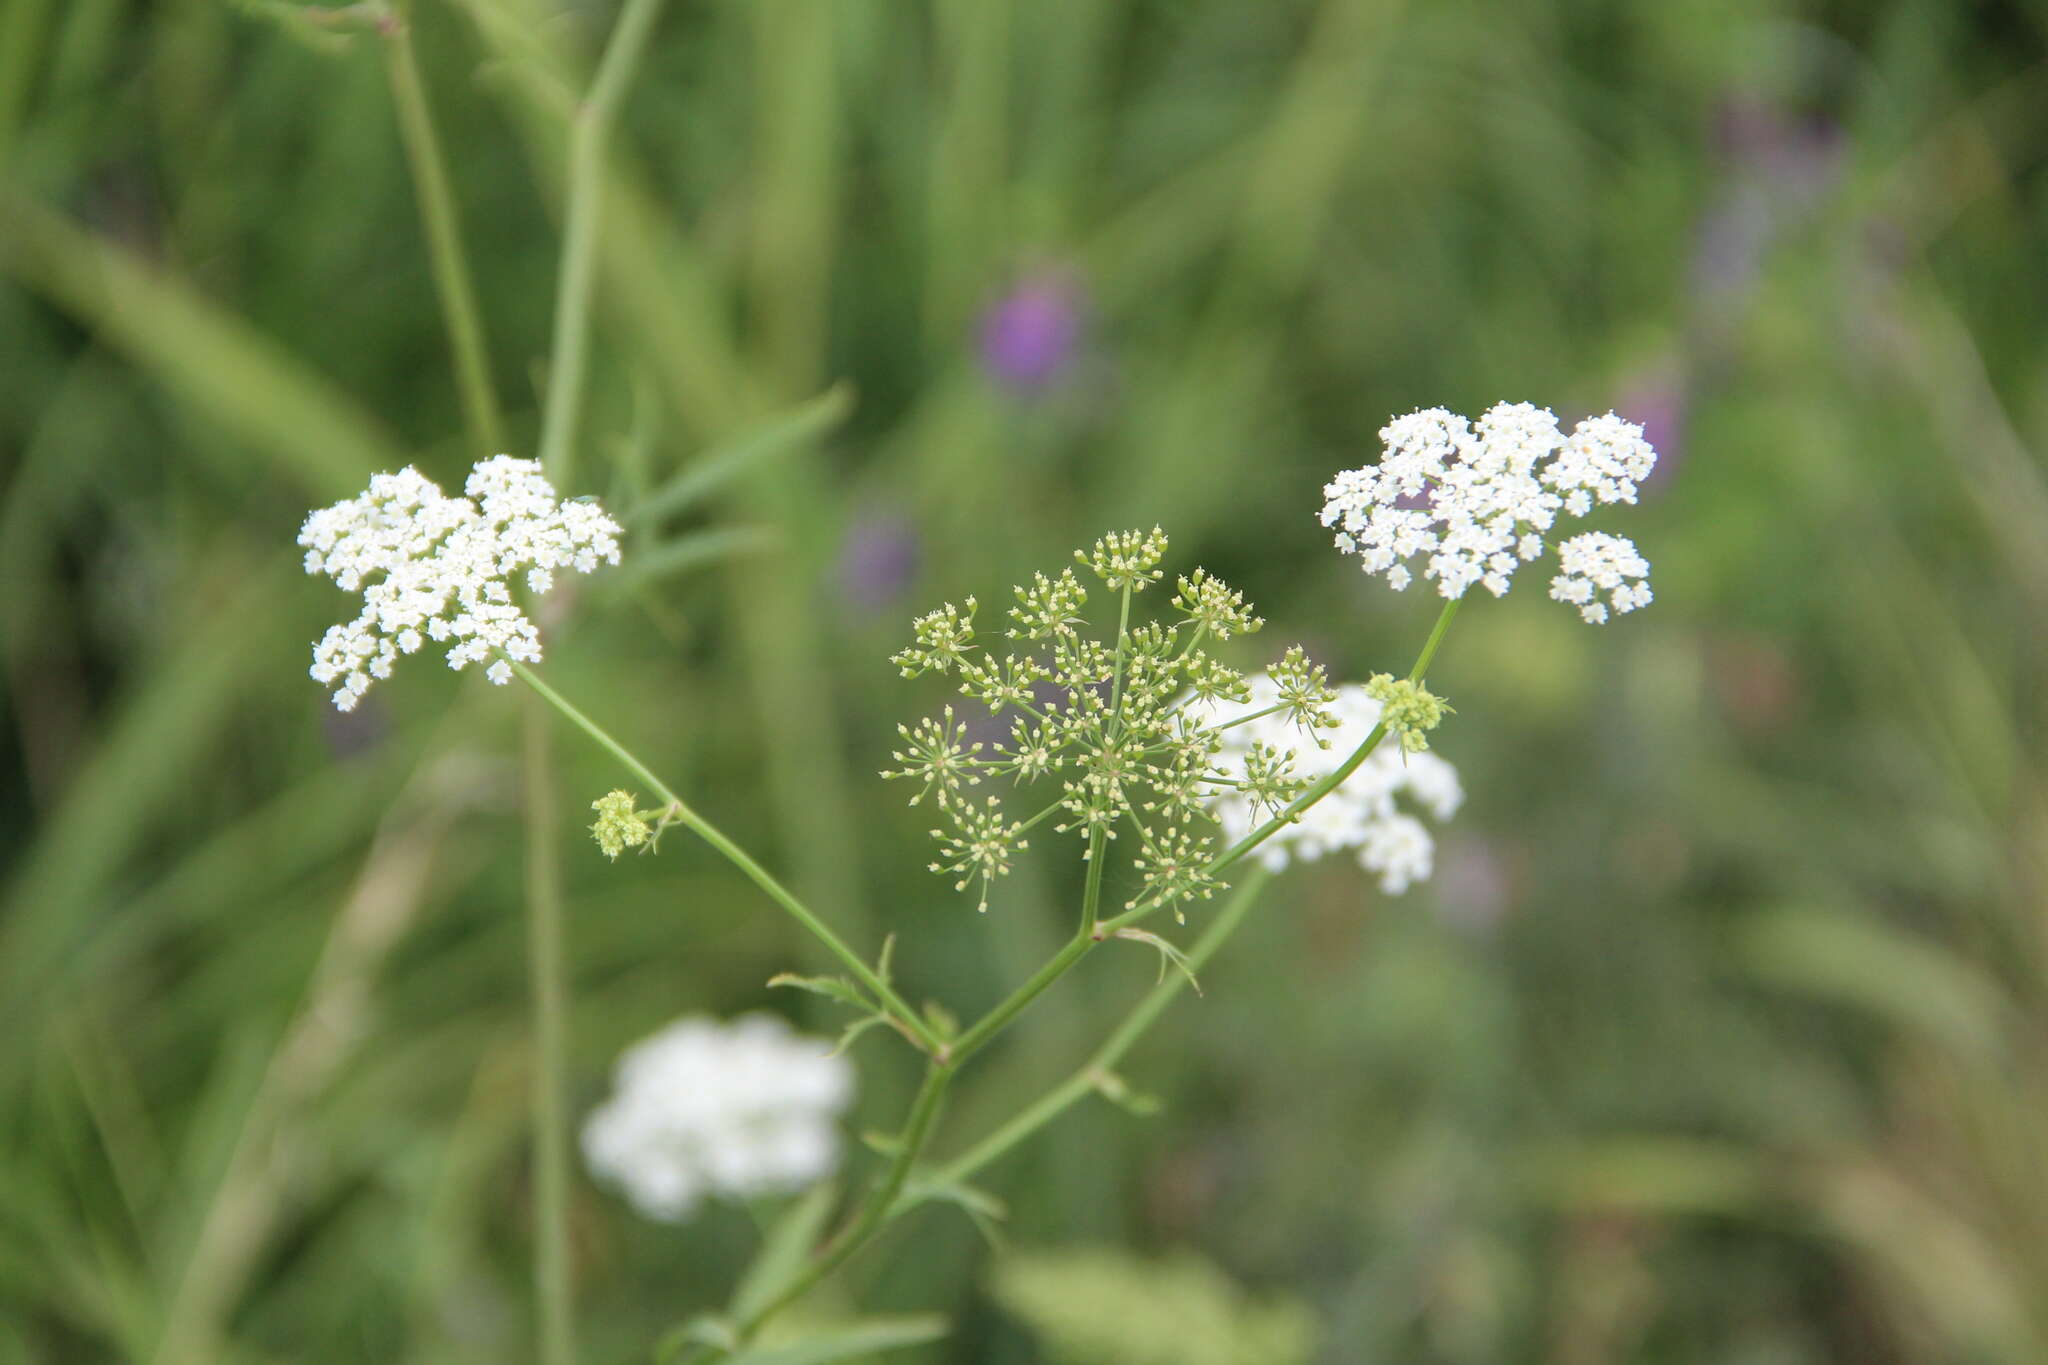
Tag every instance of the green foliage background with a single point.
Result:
(1720, 1034)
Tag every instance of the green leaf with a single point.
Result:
(709, 1330)
(983, 1209)
(327, 32)
(845, 1343)
(1861, 962)
(217, 363)
(852, 1032)
(1653, 1175)
(780, 435)
(831, 987)
(694, 551)
(784, 1252)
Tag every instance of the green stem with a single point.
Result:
(976, 1038)
(443, 224)
(1088, 1078)
(21, 56)
(1035, 821)
(549, 974)
(569, 363)
(1436, 637)
(1116, 685)
(880, 1204)
(906, 1019)
(1091, 896)
(1248, 717)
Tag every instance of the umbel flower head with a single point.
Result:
(733, 1110)
(432, 567)
(1473, 503)
(1363, 813)
(1108, 738)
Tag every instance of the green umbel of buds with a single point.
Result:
(619, 826)
(1408, 709)
(1109, 736)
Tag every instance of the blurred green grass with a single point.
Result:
(1719, 1035)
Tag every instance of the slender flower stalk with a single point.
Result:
(547, 971)
(591, 133)
(906, 1020)
(567, 372)
(1096, 1074)
(443, 224)
(877, 1210)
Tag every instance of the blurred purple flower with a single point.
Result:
(1798, 155)
(877, 561)
(1658, 398)
(1031, 336)
(1778, 167)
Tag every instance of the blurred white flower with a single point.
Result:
(1474, 504)
(432, 567)
(732, 1110)
(1360, 814)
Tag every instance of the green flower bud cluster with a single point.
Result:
(1127, 559)
(1408, 709)
(1101, 729)
(619, 826)
(943, 638)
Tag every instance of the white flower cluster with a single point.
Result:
(1594, 563)
(1361, 813)
(432, 567)
(1474, 503)
(738, 1110)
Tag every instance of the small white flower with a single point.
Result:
(1473, 503)
(729, 1110)
(1360, 814)
(426, 562)
(1595, 563)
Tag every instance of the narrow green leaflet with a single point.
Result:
(781, 435)
(848, 1342)
(783, 1252)
(831, 987)
(1117, 1091)
(983, 1209)
(697, 550)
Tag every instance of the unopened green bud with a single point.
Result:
(1408, 709)
(619, 826)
